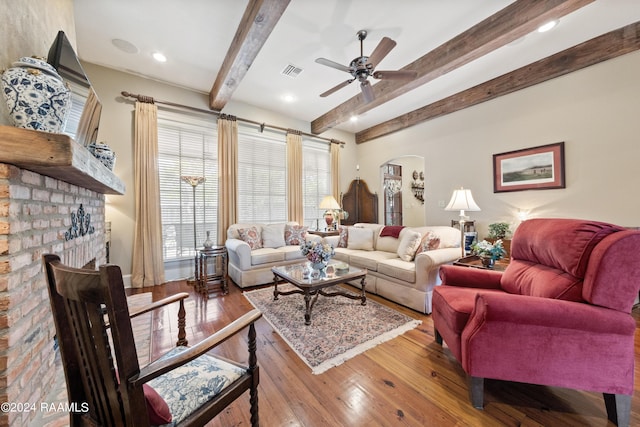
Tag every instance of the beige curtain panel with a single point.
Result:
(294, 170)
(148, 266)
(335, 171)
(89, 120)
(227, 174)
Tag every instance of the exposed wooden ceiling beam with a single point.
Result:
(599, 49)
(503, 27)
(259, 19)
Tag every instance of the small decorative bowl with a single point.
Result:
(103, 153)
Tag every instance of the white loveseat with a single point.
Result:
(408, 281)
(251, 267)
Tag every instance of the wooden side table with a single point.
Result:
(474, 261)
(324, 233)
(212, 274)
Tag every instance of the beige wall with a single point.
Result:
(116, 129)
(595, 111)
(29, 27)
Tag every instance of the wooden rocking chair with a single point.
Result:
(186, 386)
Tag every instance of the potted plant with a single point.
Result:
(498, 230)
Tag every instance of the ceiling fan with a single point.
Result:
(364, 66)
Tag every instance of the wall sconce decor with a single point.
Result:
(417, 186)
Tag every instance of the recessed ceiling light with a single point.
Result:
(353, 119)
(125, 46)
(159, 57)
(546, 27)
(288, 98)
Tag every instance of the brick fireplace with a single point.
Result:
(36, 211)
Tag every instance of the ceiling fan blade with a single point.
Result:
(397, 75)
(333, 64)
(382, 50)
(335, 88)
(367, 91)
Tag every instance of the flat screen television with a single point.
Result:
(84, 118)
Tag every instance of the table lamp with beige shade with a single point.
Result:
(462, 200)
(330, 215)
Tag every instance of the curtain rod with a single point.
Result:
(151, 100)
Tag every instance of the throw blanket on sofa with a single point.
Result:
(391, 231)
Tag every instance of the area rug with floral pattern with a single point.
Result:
(340, 328)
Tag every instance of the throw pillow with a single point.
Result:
(408, 245)
(391, 231)
(157, 408)
(344, 236)
(251, 237)
(429, 242)
(295, 234)
(273, 236)
(360, 238)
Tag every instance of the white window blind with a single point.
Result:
(316, 157)
(187, 146)
(79, 95)
(262, 176)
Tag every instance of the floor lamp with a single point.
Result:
(462, 200)
(194, 181)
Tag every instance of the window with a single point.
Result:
(79, 95)
(262, 176)
(316, 184)
(187, 146)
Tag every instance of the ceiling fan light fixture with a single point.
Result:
(548, 26)
(363, 67)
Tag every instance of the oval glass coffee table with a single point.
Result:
(311, 287)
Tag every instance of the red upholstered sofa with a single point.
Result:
(559, 315)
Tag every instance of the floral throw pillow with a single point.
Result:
(251, 236)
(294, 235)
(430, 241)
(344, 237)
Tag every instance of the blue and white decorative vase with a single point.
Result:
(104, 153)
(37, 97)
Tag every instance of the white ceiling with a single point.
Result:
(195, 36)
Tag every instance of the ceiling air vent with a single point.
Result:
(291, 71)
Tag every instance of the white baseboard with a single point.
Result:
(173, 270)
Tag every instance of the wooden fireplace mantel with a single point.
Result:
(58, 156)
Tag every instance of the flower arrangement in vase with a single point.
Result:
(488, 252)
(317, 253)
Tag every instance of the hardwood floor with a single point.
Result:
(409, 381)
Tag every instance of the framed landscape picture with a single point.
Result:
(536, 168)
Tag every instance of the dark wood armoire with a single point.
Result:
(360, 202)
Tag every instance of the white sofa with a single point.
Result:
(407, 282)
